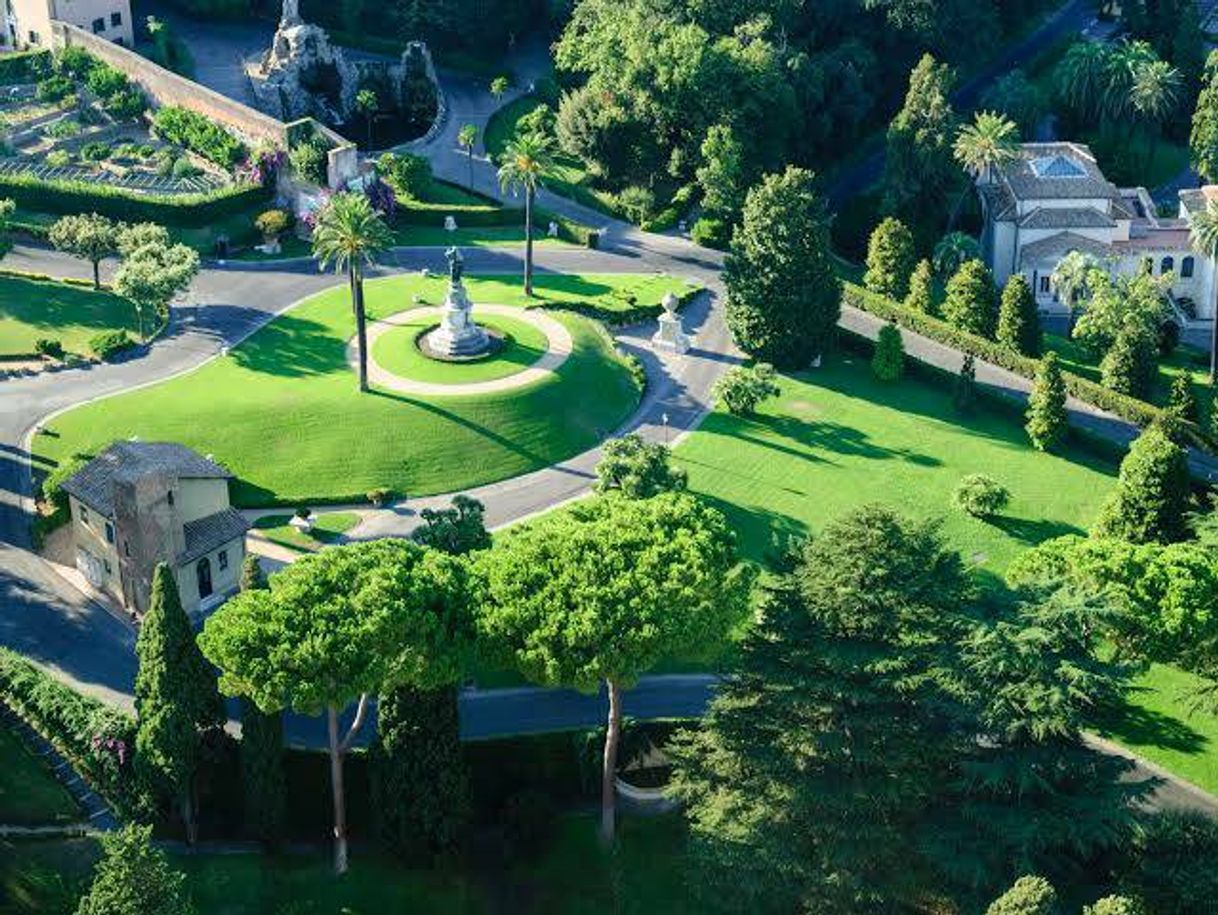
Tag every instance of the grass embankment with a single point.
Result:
(328, 527)
(29, 793)
(72, 314)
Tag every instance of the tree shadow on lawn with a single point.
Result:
(829, 437)
(1136, 726)
(762, 535)
(564, 285)
(292, 347)
(1033, 531)
(53, 307)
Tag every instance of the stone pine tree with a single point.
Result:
(888, 361)
(600, 593)
(1151, 499)
(262, 776)
(891, 259)
(638, 469)
(783, 295)
(922, 289)
(1018, 319)
(819, 756)
(1181, 403)
(134, 877)
(455, 530)
(1203, 141)
(969, 303)
(964, 391)
(1047, 420)
(176, 701)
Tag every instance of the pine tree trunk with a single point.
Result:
(336, 789)
(613, 736)
(361, 325)
(97, 274)
(528, 241)
(187, 810)
(470, 155)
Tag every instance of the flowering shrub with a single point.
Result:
(382, 198)
(262, 166)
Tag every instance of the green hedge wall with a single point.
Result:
(23, 67)
(1128, 408)
(413, 213)
(182, 210)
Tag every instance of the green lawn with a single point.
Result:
(328, 527)
(478, 236)
(397, 352)
(30, 309)
(29, 793)
(283, 413)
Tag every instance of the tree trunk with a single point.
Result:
(469, 153)
(955, 214)
(361, 326)
(613, 736)
(187, 810)
(97, 274)
(336, 790)
(528, 241)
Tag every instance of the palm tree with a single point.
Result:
(349, 233)
(989, 143)
(1154, 95)
(367, 104)
(952, 251)
(1082, 76)
(527, 159)
(467, 137)
(1203, 233)
(1071, 280)
(1124, 60)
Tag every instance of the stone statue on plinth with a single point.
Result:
(457, 336)
(671, 336)
(291, 14)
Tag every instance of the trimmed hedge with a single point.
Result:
(470, 215)
(1128, 408)
(180, 211)
(97, 739)
(24, 66)
(623, 317)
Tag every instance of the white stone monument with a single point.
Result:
(671, 336)
(457, 335)
(450, 224)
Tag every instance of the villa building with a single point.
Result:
(1054, 199)
(138, 504)
(28, 22)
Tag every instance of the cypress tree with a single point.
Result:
(176, 699)
(1182, 404)
(888, 361)
(1018, 319)
(890, 259)
(1203, 141)
(922, 289)
(1129, 365)
(1151, 498)
(252, 576)
(964, 392)
(134, 877)
(969, 304)
(1047, 418)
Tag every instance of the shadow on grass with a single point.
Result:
(1030, 531)
(292, 347)
(829, 437)
(762, 535)
(1136, 726)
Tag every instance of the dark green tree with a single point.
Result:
(1129, 365)
(922, 289)
(637, 468)
(252, 576)
(176, 700)
(722, 174)
(891, 259)
(456, 530)
(888, 361)
(133, 877)
(1152, 493)
(970, 302)
(1048, 421)
(1019, 98)
(1173, 866)
(1018, 319)
(784, 297)
(1181, 403)
(1203, 141)
(818, 758)
(964, 391)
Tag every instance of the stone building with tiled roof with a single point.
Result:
(1054, 199)
(141, 503)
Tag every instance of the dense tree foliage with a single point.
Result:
(888, 360)
(1047, 419)
(891, 258)
(970, 303)
(455, 530)
(134, 877)
(1018, 318)
(1203, 141)
(637, 468)
(1152, 493)
(743, 388)
(922, 289)
(784, 297)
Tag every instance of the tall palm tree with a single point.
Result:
(467, 137)
(1124, 61)
(349, 234)
(527, 159)
(982, 147)
(1154, 95)
(1082, 76)
(952, 250)
(1071, 280)
(1203, 233)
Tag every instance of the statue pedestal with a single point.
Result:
(457, 334)
(671, 336)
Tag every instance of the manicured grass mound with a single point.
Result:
(29, 793)
(328, 527)
(32, 309)
(397, 351)
(838, 438)
(283, 413)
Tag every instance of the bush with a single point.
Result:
(109, 344)
(528, 820)
(126, 105)
(62, 130)
(198, 134)
(58, 158)
(75, 62)
(309, 162)
(271, 223)
(888, 360)
(49, 347)
(713, 233)
(104, 81)
(636, 203)
(1175, 865)
(409, 175)
(54, 88)
(981, 496)
(21, 67)
(95, 152)
(741, 389)
(380, 495)
(184, 168)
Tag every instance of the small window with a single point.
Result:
(1186, 268)
(34, 39)
(99, 25)
(1167, 265)
(170, 497)
(126, 547)
(106, 564)
(109, 532)
(116, 20)
(84, 516)
(222, 556)
(1148, 266)
(203, 576)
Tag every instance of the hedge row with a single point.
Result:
(97, 739)
(1128, 408)
(413, 213)
(181, 210)
(624, 317)
(24, 67)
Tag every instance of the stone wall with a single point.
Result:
(164, 87)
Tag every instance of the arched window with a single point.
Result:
(1186, 267)
(1167, 265)
(203, 574)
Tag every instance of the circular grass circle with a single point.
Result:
(397, 352)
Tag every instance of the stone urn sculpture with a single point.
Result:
(671, 336)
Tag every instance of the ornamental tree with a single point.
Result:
(89, 236)
(888, 361)
(636, 468)
(134, 877)
(176, 700)
(455, 530)
(964, 390)
(784, 297)
(1181, 403)
(1048, 421)
(722, 173)
(891, 258)
(922, 289)
(600, 593)
(151, 274)
(742, 389)
(1028, 896)
(969, 304)
(337, 626)
(1152, 492)
(1018, 319)
(1129, 366)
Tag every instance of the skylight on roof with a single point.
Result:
(1058, 167)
